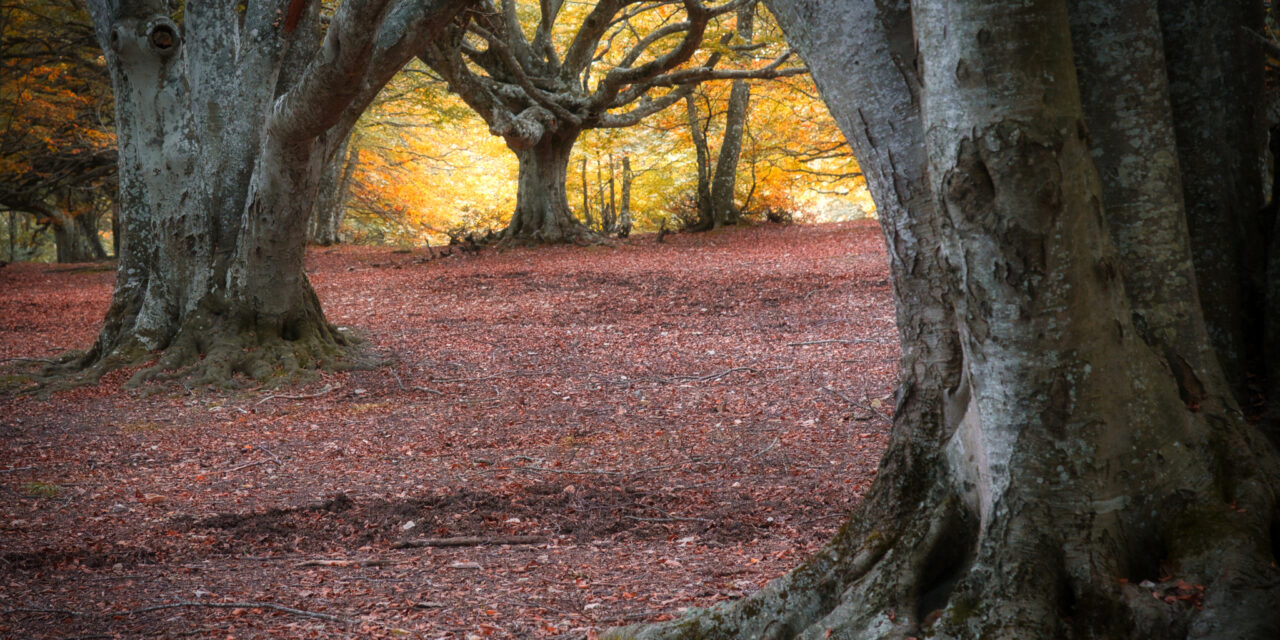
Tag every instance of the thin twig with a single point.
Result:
(467, 541)
(398, 380)
(766, 449)
(836, 341)
(588, 472)
(325, 391)
(15, 469)
(347, 563)
(439, 393)
(477, 379)
(860, 405)
(668, 519)
(713, 376)
(176, 605)
(273, 456)
(245, 465)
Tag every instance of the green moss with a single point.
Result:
(15, 381)
(38, 489)
(962, 608)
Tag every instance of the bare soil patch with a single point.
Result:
(678, 422)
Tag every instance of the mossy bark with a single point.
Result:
(224, 125)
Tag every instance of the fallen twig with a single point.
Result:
(346, 563)
(713, 376)
(476, 379)
(439, 393)
(766, 449)
(245, 465)
(273, 456)
(587, 472)
(667, 519)
(467, 541)
(325, 391)
(180, 604)
(860, 405)
(15, 469)
(836, 341)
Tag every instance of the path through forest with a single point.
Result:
(675, 424)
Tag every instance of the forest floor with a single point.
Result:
(675, 424)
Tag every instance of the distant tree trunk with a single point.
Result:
(335, 184)
(612, 226)
(724, 181)
(87, 222)
(702, 197)
(115, 227)
(624, 212)
(542, 212)
(586, 196)
(13, 230)
(70, 239)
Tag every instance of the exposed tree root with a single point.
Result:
(215, 349)
(922, 568)
(577, 234)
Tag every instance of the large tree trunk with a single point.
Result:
(214, 195)
(224, 126)
(542, 212)
(1053, 465)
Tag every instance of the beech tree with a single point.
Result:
(225, 123)
(717, 185)
(1067, 459)
(540, 94)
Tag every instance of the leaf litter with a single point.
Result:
(583, 437)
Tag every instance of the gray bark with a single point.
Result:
(702, 165)
(1047, 472)
(586, 195)
(1215, 84)
(331, 203)
(725, 178)
(542, 212)
(224, 124)
(76, 237)
(624, 207)
(1124, 90)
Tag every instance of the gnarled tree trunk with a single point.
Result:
(542, 212)
(224, 126)
(1063, 449)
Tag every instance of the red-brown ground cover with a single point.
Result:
(681, 422)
